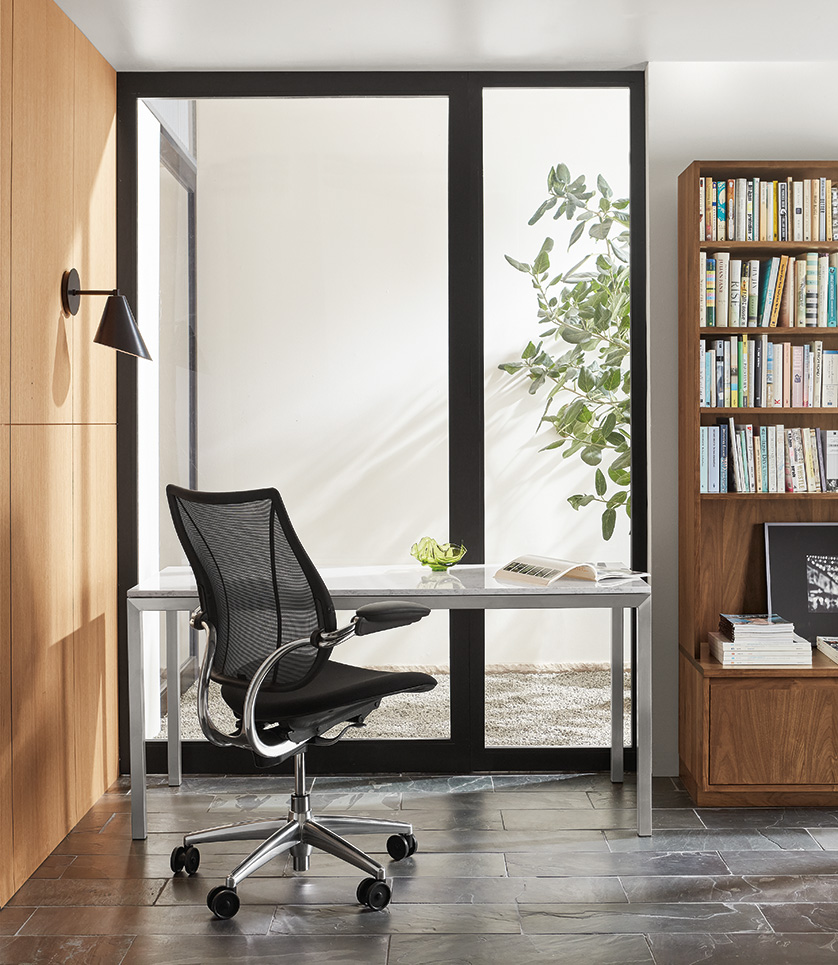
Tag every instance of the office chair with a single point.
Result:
(271, 629)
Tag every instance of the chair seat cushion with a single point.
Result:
(337, 685)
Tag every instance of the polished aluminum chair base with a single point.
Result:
(299, 834)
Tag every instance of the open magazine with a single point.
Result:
(542, 571)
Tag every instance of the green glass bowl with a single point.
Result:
(437, 557)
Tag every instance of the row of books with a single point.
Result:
(786, 290)
(751, 371)
(767, 459)
(755, 209)
(758, 639)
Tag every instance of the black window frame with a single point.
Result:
(465, 751)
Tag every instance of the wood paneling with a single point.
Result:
(774, 732)
(42, 211)
(94, 564)
(5, 200)
(94, 187)
(6, 838)
(43, 724)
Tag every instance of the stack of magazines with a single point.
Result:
(758, 639)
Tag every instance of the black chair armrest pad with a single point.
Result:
(386, 615)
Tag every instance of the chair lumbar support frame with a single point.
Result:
(275, 721)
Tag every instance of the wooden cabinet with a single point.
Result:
(752, 736)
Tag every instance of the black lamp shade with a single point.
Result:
(119, 330)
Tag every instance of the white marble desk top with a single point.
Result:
(465, 586)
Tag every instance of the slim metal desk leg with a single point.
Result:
(617, 699)
(644, 718)
(173, 698)
(136, 717)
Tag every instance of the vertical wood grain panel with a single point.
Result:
(6, 840)
(94, 647)
(94, 222)
(5, 200)
(42, 211)
(43, 772)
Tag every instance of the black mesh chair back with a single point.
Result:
(255, 582)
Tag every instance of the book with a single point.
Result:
(722, 259)
(543, 570)
(829, 646)
(735, 290)
(710, 295)
(740, 626)
(829, 441)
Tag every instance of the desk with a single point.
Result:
(173, 590)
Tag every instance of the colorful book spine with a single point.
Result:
(710, 296)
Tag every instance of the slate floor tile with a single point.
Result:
(750, 888)
(94, 891)
(780, 862)
(257, 949)
(505, 890)
(803, 916)
(643, 863)
(762, 818)
(509, 841)
(602, 818)
(641, 917)
(778, 839)
(744, 949)
(156, 920)
(520, 950)
(397, 919)
(64, 951)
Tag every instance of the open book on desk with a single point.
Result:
(542, 571)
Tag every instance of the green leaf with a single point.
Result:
(600, 482)
(609, 519)
(600, 230)
(544, 206)
(520, 265)
(530, 351)
(511, 367)
(586, 379)
(576, 234)
(592, 456)
(604, 188)
(608, 423)
(541, 263)
(562, 173)
(579, 500)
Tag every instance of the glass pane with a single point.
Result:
(553, 663)
(322, 339)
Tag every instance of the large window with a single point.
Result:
(327, 302)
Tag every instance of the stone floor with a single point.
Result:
(510, 869)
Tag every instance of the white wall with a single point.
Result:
(704, 111)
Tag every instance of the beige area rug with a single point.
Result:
(560, 707)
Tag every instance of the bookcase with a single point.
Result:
(749, 736)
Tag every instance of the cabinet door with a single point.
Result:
(43, 712)
(774, 731)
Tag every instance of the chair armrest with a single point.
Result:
(387, 615)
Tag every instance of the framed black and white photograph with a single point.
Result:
(801, 568)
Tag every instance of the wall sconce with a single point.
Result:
(117, 328)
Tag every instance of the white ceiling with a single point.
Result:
(447, 34)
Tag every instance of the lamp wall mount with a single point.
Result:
(117, 329)
(71, 292)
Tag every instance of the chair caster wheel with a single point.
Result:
(401, 846)
(185, 859)
(223, 902)
(374, 894)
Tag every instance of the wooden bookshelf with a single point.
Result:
(749, 736)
